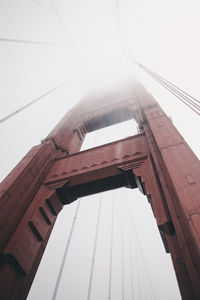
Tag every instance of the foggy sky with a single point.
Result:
(162, 35)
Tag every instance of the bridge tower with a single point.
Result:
(157, 161)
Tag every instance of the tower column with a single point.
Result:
(178, 170)
(29, 210)
(157, 160)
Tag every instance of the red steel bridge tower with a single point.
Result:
(157, 161)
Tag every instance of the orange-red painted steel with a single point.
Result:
(157, 161)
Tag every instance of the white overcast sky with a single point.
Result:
(92, 50)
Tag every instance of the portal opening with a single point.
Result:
(138, 256)
(110, 134)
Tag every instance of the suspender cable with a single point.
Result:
(136, 289)
(59, 19)
(122, 247)
(55, 12)
(66, 33)
(94, 250)
(117, 10)
(33, 102)
(184, 97)
(18, 41)
(111, 248)
(131, 265)
(138, 242)
(66, 251)
(42, 5)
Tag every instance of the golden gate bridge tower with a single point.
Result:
(157, 161)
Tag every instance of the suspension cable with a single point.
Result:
(66, 251)
(42, 5)
(32, 102)
(66, 33)
(142, 66)
(55, 12)
(131, 265)
(137, 267)
(138, 288)
(138, 242)
(183, 96)
(94, 250)
(117, 10)
(30, 42)
(172, 87)
(194, 104)
(122, 246)
(39, 98)
(111, 248)
(60, 21)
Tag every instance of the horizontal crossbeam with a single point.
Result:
(99, 169)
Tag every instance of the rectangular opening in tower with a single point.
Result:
(110, 134)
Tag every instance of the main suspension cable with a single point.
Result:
(186, 98)
(183, 96)
(194, 104)
(18, 41)
(94, 250)
(66, 250)
(174, 88)
(142, 66)
(32, 102)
